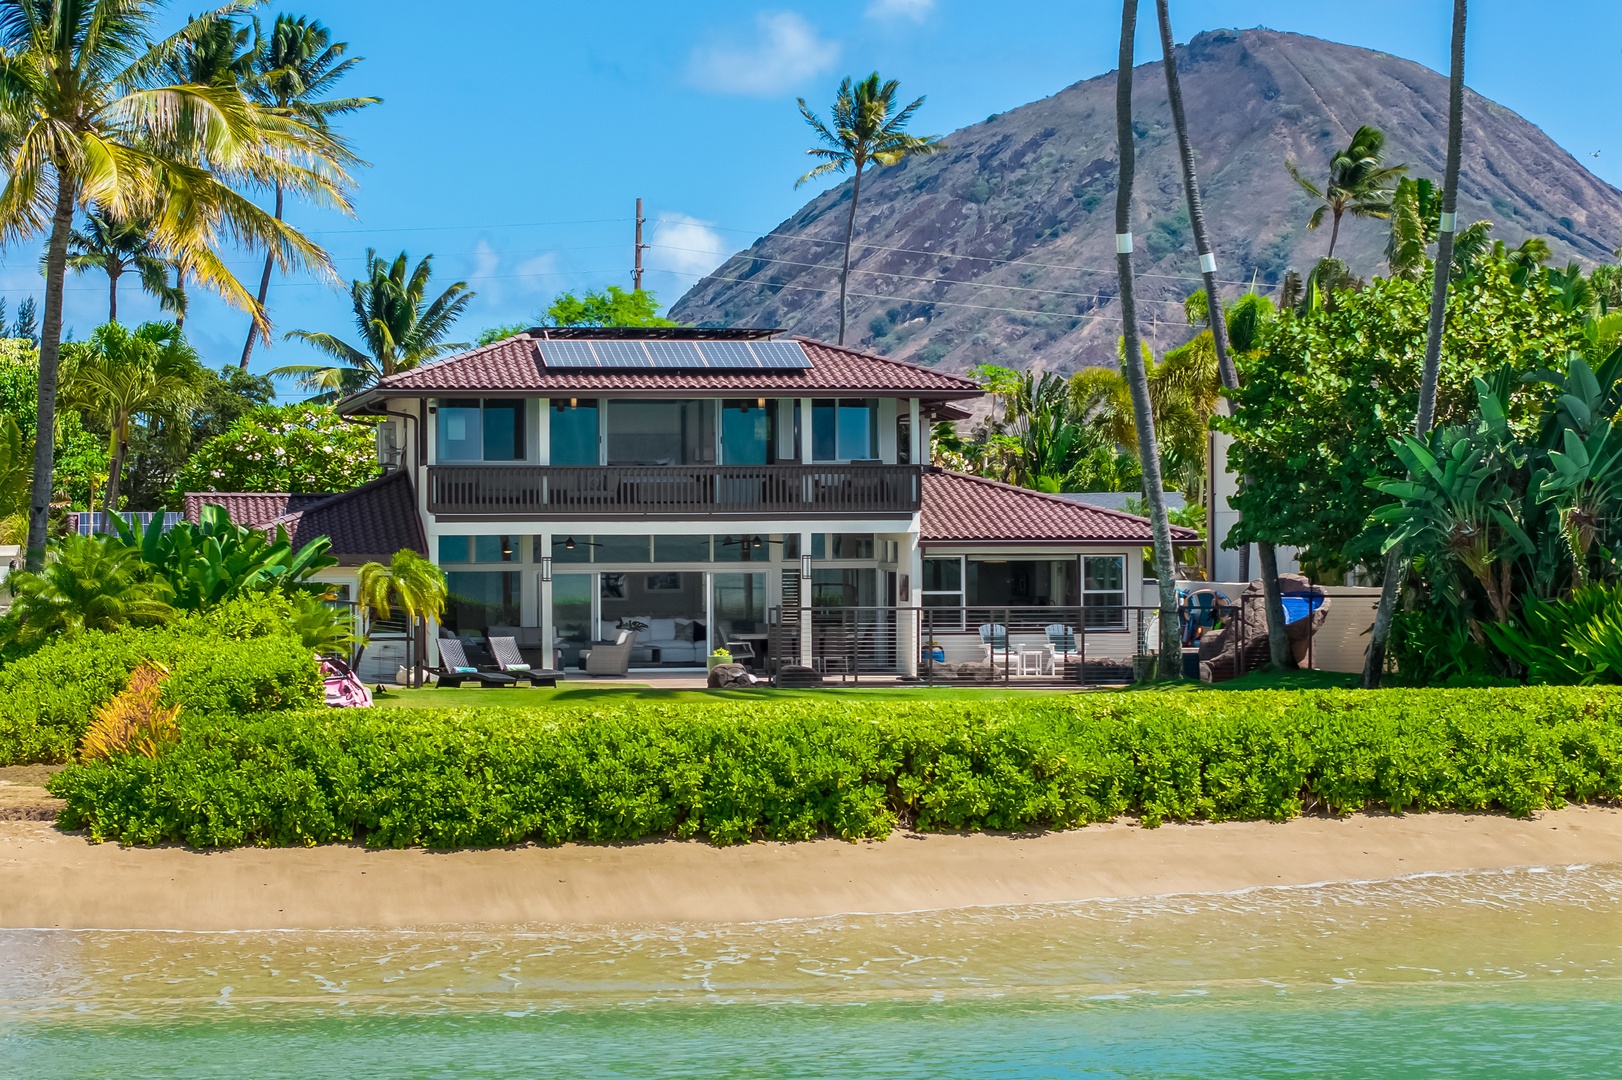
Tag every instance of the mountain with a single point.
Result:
(1001, 248)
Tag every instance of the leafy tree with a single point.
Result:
(289, 72)
(86, 118)
(294, 448)
(1324, 394)
(1360, 183)
(93, 583)
(1132, 361)
(399, 328)
(160, 448)
(612, 306)
(117, 247)
(492, 334)
(413, 584)
(119, 375)
(868, 130)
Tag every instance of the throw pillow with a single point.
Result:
(516, 667)
(465, 670)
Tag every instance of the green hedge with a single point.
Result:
(789, 769)
(239, 659)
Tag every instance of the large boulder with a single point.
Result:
(730, 677)
(1241, 644)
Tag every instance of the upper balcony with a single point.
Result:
(581, 492)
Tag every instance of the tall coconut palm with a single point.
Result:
(399, 328)
(414, 585)
(1360, 183)
(1277, 637)
(292, 67)
(1374, 659)
(87, 117)
(1171, 646)
(118, 247)
(867, 130)
(119, 375)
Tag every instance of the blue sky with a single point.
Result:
(514, 136)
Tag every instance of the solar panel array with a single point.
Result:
(686, 355)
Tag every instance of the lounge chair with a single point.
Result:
(1061, 637)
(606, 658)
(454, 668)
(509, 661)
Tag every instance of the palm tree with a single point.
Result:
(867, 130)
(87, 118)
(93, 583)
(292, 68)
(399, 328)
(413, 584)
(1374, 659)
(119, 375)
(1171, 646)
(1277, 636)
(116, 248)
(1360, 184)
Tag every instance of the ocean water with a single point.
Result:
(1470, 975)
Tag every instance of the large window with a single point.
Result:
(574, 433)
(748, 432)
(491, 429)
(571, 614)
(845, 429)
(943, 588)
(480, 599)
(1103, 590)
(1021, 582)
(661, 432)
(480, 549)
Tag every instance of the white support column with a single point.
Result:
(910, 630)
(920, 440)
(805, 603)
(805, 430)
(543, 609)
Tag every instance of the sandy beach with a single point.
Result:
(53, 879)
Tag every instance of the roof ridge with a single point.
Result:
(454, 358)
(848, 351)
(1049, 496)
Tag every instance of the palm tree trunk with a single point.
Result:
(50, 353)
(112, 295)
(1425, 416)
(1171, 641)
(115, 471)
(850, 233)
(264, 287)
(1277, 636)
(1334, 234)
(180, 296)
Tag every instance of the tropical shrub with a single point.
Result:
(1574, 640)
(214, 560)
(300, 448)
(239, 658)
(133, 721)
(732, 771)
(93, 583)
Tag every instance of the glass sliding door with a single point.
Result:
(661, 432)
(571, 614)
(738, 607)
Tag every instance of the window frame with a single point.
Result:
(1121, 593)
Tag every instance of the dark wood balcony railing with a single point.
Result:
(538, 492)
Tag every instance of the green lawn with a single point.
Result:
(434, 697)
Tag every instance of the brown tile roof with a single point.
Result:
(366, 524)
(959, 508)
(515, 364)
(249, 507)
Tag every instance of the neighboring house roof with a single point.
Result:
(514, 365)
(366, 524)
(958, 508)
(1117, 500)
(249, 507)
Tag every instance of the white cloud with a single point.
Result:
(784, 51)
(914, 10)
(687, 246)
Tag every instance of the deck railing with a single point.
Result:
(538, 492)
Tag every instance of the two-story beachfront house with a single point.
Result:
(706, 487)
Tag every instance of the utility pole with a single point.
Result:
(636, 273)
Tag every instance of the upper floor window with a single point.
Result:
(748, 432)
(845, 429)
(573, 426)
(474, 429)
(661, 432)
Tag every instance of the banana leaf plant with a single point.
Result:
(214, 559)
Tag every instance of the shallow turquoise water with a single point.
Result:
(1488, 975)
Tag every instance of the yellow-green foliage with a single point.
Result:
(732, 771)
(133, 721)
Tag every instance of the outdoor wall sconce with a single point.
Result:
(546, 569)
(805, 568)
(760, 403)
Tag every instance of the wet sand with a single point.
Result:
(54, 879)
